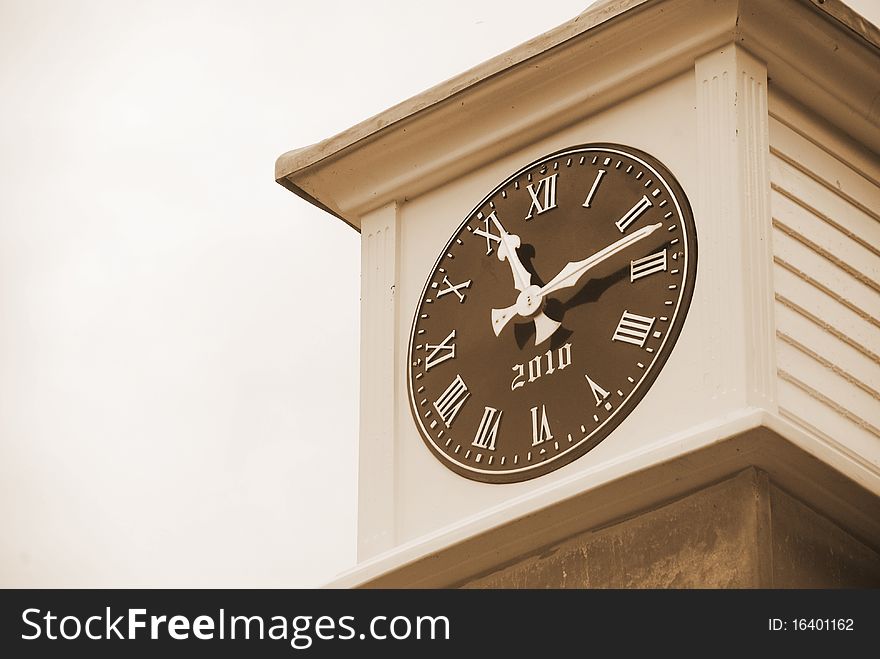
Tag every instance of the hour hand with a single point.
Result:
(544, 325)
(528, 305)
(530, 300)
(522, 278)
(500, 318)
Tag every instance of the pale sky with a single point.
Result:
(172, 411)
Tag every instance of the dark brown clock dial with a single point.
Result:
(550, 312)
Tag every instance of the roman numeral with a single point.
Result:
(540, 430)
(598, 392)
(488, 430)
(451, 400)
(633, 328)
(440, 353)
(593, 189)
(548, 184)
(487, 233)
(633, 213)
(453, 288)
(647, 265)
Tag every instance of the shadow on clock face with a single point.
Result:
(556, 309)
(594, 289)
(526, 255)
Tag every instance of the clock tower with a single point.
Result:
(620, 305)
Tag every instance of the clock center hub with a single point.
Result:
(529, 301)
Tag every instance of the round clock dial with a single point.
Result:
(550, 312)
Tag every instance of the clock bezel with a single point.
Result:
(640, 388)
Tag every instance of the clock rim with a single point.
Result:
(599, 434)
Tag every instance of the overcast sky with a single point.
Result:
(172, 413)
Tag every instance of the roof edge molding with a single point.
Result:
(821, 54)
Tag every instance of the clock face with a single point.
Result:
(550, 312)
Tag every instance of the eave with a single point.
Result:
(821, 54)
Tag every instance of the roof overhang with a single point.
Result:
(818, 52)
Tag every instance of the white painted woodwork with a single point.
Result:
(594, 61)
(734, 190)
(826, 245)
(801, 464)
(765, 112)
(379, 375)
(660, 121)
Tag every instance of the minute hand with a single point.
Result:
(571, 273)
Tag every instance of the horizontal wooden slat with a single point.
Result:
(862, 220)
(849, 248)
(828, 344)
(830, 221)
(826, 277)
(861, 272)
(856, 322)
(825, 212)
(862, 403)
(831, 402)
(856, 181)
(820, 134)
(862, 201)
(796, 402)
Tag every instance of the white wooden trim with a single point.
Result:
(801, 463)
(379, 307)
(734, 192)
(819, 54)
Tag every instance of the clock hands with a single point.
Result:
(528, 302)
(530, 299)
(522, 278)
(572, 272)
